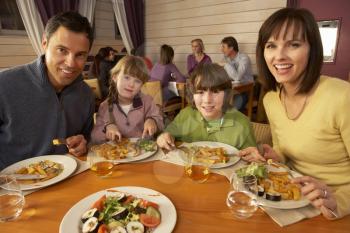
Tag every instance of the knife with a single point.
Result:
(28, 176)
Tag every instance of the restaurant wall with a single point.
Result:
(335, 9)
(177, 22)
(17, 50)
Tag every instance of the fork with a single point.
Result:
(59, 141)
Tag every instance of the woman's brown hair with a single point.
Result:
(166, 54)
(128, 65)
(304, 24)
(211, 77)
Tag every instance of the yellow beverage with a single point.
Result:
(197, 173)
(102, 168)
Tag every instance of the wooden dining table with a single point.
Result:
(200, 207)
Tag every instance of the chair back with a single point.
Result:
(95, 87)
(262, 133)
(153, 89)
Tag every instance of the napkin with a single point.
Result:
(81, 166)
(287, 217)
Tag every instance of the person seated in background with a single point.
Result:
(48, 99)
(197, 57)
(211, 116)
(104, 62)
(308, 112)
(165, 71)
(139, 52)
(238, 68)
(127, 112)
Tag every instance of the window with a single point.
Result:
(10, 19)
(329, 30)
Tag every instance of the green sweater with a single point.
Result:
(190, 126)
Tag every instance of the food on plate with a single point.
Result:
(147, 145)
(46, 168)
(118, 150)
(119, 212)
(205, 153)
(274, 181)
(258, 170)
(123, 148)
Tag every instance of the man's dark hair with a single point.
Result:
(71, 20)
(231, 42)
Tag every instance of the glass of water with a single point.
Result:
(242, 196)
(11, 198)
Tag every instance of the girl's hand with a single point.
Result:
(259, 154)
(149, 128)
(112, 133)
(319, 194)
(166, 141)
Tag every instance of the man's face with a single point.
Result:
(227, 51)
(65, 56)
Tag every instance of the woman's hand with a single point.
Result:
(259, 154)
(112, 132)
(319, 194)
(149, 128)
(166, 141)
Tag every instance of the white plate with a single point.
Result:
(69, 166)
(71, 221)
(229, 149)
(129, 158)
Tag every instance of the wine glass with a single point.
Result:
(11, 198)
(242, 196)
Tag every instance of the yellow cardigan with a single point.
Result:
(317, 144)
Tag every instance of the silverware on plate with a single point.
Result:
(28, 176)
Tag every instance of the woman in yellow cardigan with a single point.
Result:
(309, 114)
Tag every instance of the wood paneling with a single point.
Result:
(177, 22)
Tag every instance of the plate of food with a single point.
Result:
(222, 155)
(125, 151)
(121, 209)
(275, 189)
(49, 170)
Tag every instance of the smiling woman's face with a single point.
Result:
(287, 56)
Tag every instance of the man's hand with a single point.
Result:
(77, 145)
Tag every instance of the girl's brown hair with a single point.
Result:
(211, 77)
(303, 22)
(128, 65)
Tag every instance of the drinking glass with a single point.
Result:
(11, 198)
(99, 164)
(198, 171)
(242, 196)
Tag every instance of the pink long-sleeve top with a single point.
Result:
(130, 125)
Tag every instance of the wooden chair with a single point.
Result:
(154, 89)
(95, 87)
(248, 88)
(262, 133)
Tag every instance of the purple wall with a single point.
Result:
(335, 9)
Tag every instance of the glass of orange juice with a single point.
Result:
(99, 164)
(197, 170)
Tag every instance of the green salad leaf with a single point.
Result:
(256, 169)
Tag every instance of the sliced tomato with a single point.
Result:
(99, 204)
(145, 204)
(128, 199)
(149, 221)
(102, 229)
